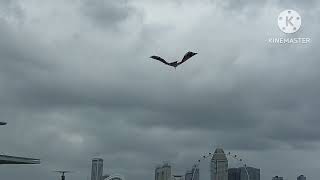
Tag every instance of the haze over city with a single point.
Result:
(77, 83)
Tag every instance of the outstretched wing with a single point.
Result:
(160, 59)
(187, 56)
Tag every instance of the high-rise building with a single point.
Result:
(163, 172)
(234, 174)
(219, 165)
(241, 173)
(254, 173)
(194, 174)
(301, 177)
(277, 178)
(97, 169)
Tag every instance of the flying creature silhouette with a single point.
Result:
(175, 64)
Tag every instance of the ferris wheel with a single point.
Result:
(229, 154)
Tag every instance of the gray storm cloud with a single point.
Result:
(71, 89)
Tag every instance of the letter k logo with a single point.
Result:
(289, 21)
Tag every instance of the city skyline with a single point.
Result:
(76, 82)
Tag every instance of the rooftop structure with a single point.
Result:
(4, 159)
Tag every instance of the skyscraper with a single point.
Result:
(254, 173)
(219, 165)
(241, 173)
(301, 177)
(97, 169)
(163, 172)
(234, 174)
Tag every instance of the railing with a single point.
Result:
(4, 159)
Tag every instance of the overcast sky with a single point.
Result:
(76, 83)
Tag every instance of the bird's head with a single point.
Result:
(193, 53)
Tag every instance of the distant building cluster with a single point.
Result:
(218, 171)
(97, 171)
(301, 177)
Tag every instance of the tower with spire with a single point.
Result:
(219, 165)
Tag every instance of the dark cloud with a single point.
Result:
(11, 10)
(106, 13)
